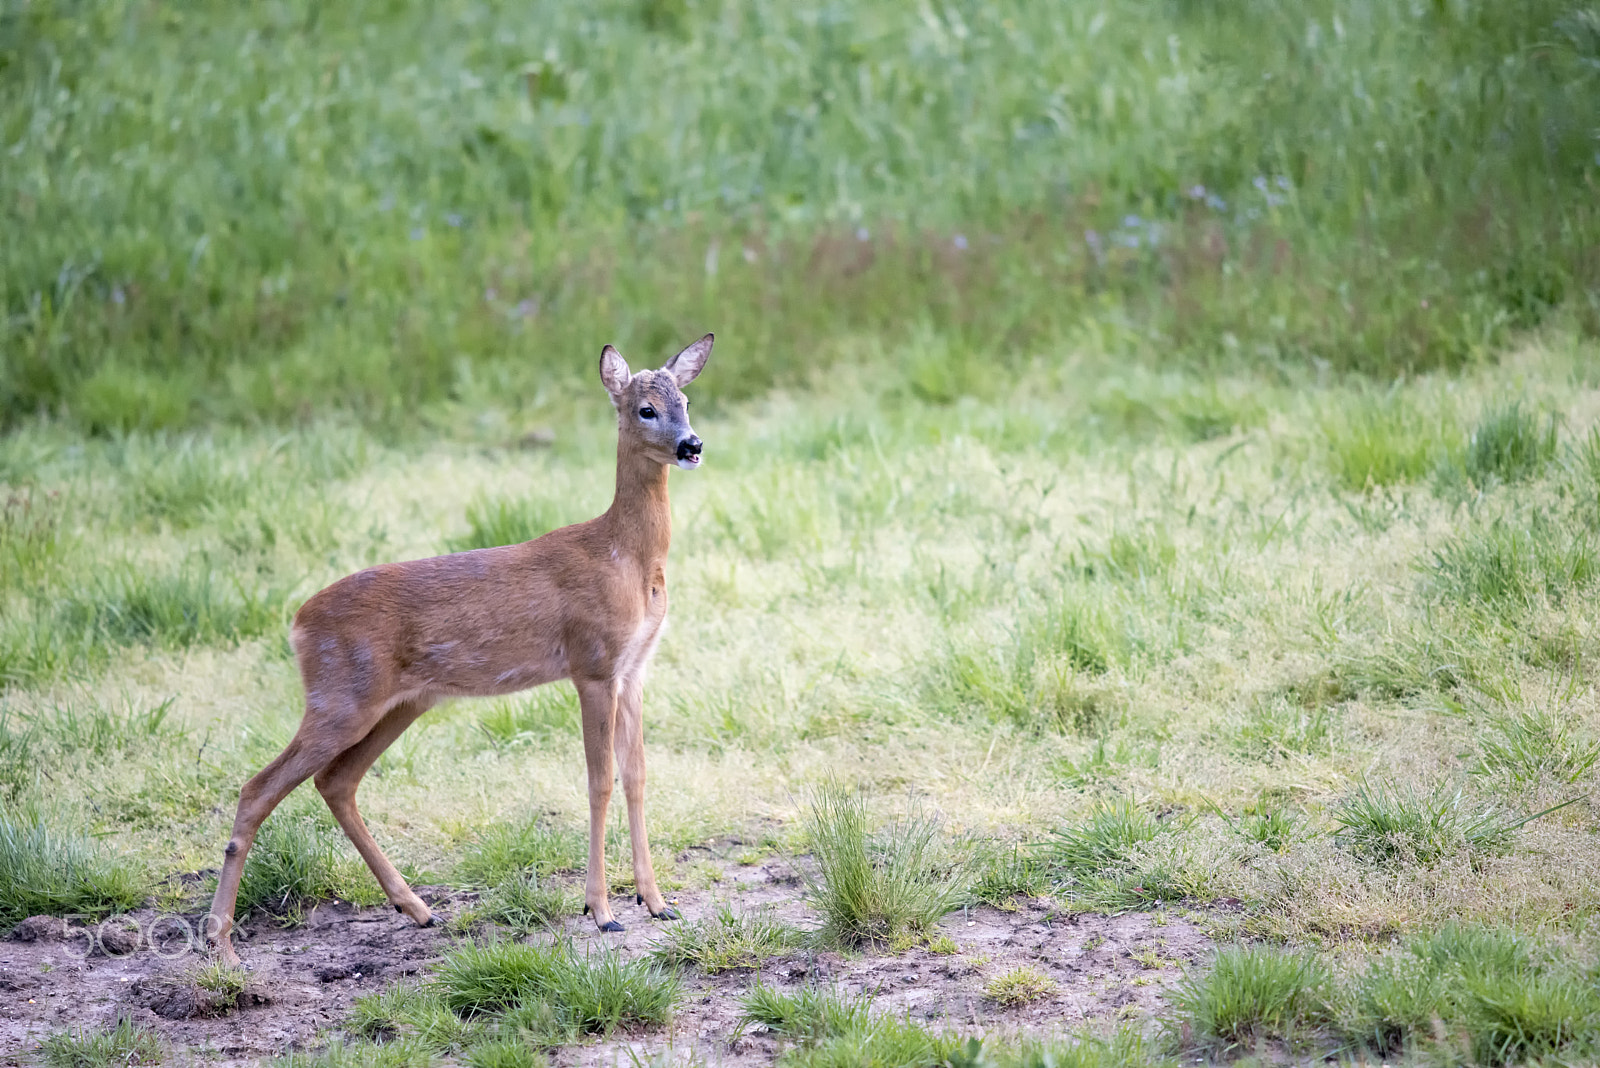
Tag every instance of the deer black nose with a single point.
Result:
(689, 446)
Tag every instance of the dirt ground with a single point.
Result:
(56, 974)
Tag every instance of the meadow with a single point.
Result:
(1153, 466)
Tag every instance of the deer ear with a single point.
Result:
(686, 366)
(614, 371)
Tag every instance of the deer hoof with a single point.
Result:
(667, 913)
(612, 927)
(431, 921)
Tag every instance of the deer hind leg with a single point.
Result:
(630, 755)
(337, 784)
(598, 701)
(304, 755)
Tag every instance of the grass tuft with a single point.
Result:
(299, 858)
(46, 871)
(1511, 567)
(875, 888)
(507, 850)
(504, 1053)
(586, 995)
(1387, 441)
(726, 941)
(403, 1053)
(1019, 987)
(122, 1046)
(1251, 993)
(1387, 823)
(1510, 444)
(520, 903)
(1107, 837)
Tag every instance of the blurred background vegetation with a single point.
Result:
(260, 212)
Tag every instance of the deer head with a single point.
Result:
(652, 412)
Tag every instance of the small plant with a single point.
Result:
(1520, 1020)
(43, 870)
(943, 946)
(1386, 441)
(1535, 745)
(1019, 987)
(122, 1046)
(1107, 837)
(504, 1053)
(875, 887)
(1280, 728)
(522, 904)
(298, 859)
(488, 977)
(588, 995)
(1005, 873)
(223, 983)
(727, 941)
(1251, 993)
(411, 1012)
(810, 1014)
(1507, 566)
(401, 1053)
(1274, 828)
(1510, 444)
(505, 850)
(1384, 823)
(1395, 1000)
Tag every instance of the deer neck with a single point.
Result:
(640, 516)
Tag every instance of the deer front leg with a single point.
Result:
(630, 755)
(598, 701)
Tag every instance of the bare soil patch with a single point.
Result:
(57, 974)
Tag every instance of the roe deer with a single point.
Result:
(587, 602)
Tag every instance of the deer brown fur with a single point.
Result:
(587, 602)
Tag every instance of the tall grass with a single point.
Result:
(874, 888)
(256, 212)
(53, 872)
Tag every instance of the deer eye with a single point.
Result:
(647, 412)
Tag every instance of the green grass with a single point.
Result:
(124, 1045)
(1249, 994)
(300, 857)
(1510, 444)
(1386, 824)
(415, 1013)
(874, 887)
(518, 902)
(506, 521)
(51, 871)
(433, 207)
(507, 850)
(593, 994)
(504, 1053)
(1019, 986)
(1101, 841)
(727, 940)
(1528, 746)
(341, 1054)
(1508, 565)
(1387, 440)
(1491, 994)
